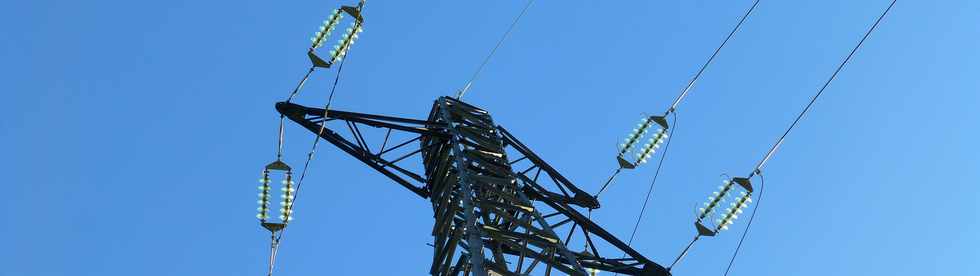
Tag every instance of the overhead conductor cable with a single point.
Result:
(309, 158)
(288, 191)
(318, 40)
(626, 149)
(462, 91)
(724, 194)
(758, 168)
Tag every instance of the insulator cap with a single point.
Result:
(744, 182)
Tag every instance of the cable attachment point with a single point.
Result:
(704, 230)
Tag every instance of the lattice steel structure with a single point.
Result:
(491, 218)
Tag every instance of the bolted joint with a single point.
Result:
(653, 269)
(586, 200)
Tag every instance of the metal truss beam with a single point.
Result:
(490, 218)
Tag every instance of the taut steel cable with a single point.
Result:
(758, 168)
(459, 95)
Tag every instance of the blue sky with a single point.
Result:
(135, 130)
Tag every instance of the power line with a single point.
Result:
(282, 118)
(646, 200)
(758, 168)
(745, 183)
(677, 101)
(610, 179)
(762, 187)
(289, 194)
(652, 183)
(690, 84)
(459, 95)
(309, 157)
(672, 109)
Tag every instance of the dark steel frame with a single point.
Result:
(490, 219)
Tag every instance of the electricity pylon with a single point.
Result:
(490, 218)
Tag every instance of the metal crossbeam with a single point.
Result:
(488, 215)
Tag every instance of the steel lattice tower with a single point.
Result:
(490, 219)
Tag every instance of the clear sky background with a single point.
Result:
(134, 131)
